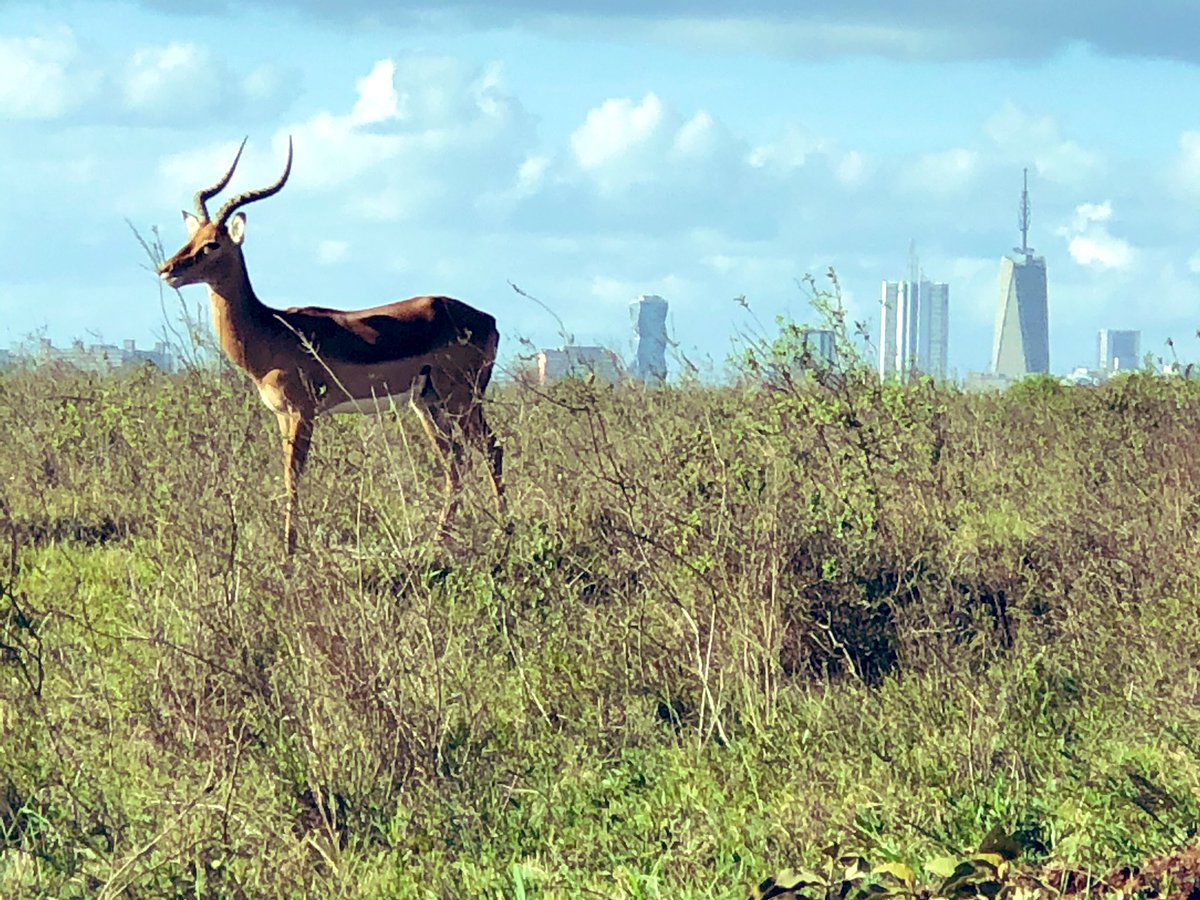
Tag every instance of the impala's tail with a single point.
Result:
(489, 347)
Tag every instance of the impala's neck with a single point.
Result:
(244, 324)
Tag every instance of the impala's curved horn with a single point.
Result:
(202, 197)
(241, 200)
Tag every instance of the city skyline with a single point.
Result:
(912, 336)
(593, 154)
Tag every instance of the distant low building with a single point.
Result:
(101, 357)
(1118, 351)
(579, 362)
(981, 382)
(1083, 376)
(821, 345)
(817, 352)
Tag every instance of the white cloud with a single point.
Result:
(40, 77)
(944, 172)
(263, 83)
(973, 284)
(617, 130)
(1089, 241)
(1067, 162)
(1186, 167)
(159, 79)
(752, 265)
(791, 151)
(431, 91)
(616, 293)
(425, 137)
(698, 137)
(1101, 250)
(622, 143)
(330, 252)
(1177, 297)
(186, 171)
(1087, 213)
(853, 168)
(377, 97)
(531, 173)
(52, 76)
(1024, 137)
(184, 82)
(796, 148)
(936, 30)
(532, 176)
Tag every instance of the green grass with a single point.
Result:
(728, 627)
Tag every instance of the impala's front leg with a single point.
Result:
(296, 429)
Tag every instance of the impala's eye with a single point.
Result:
(210, 247)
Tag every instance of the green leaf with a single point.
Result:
(941, 866)
(856, 867)
(897, 871)
(993, 861)
(806, 878)
(787, 882)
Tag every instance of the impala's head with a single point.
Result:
(215, 243)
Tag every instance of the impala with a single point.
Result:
(306, 361)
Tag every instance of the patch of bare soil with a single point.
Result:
(1175, 876)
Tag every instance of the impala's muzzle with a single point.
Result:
(172, 271)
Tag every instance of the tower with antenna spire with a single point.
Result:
(1023, 217)
(1022, 342)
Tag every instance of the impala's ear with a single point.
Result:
(190, 222)
(237, 228)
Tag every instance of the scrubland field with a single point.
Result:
(727, 628)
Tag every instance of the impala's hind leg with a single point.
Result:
(480, 434)
(449, 452)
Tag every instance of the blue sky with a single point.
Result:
(592, 151)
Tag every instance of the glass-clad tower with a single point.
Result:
(1022, 342)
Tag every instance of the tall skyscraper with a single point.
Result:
(914, 326)
(937, 299)
(1022, 342)
(892, 301)
(649, 313)
(1118, 350)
